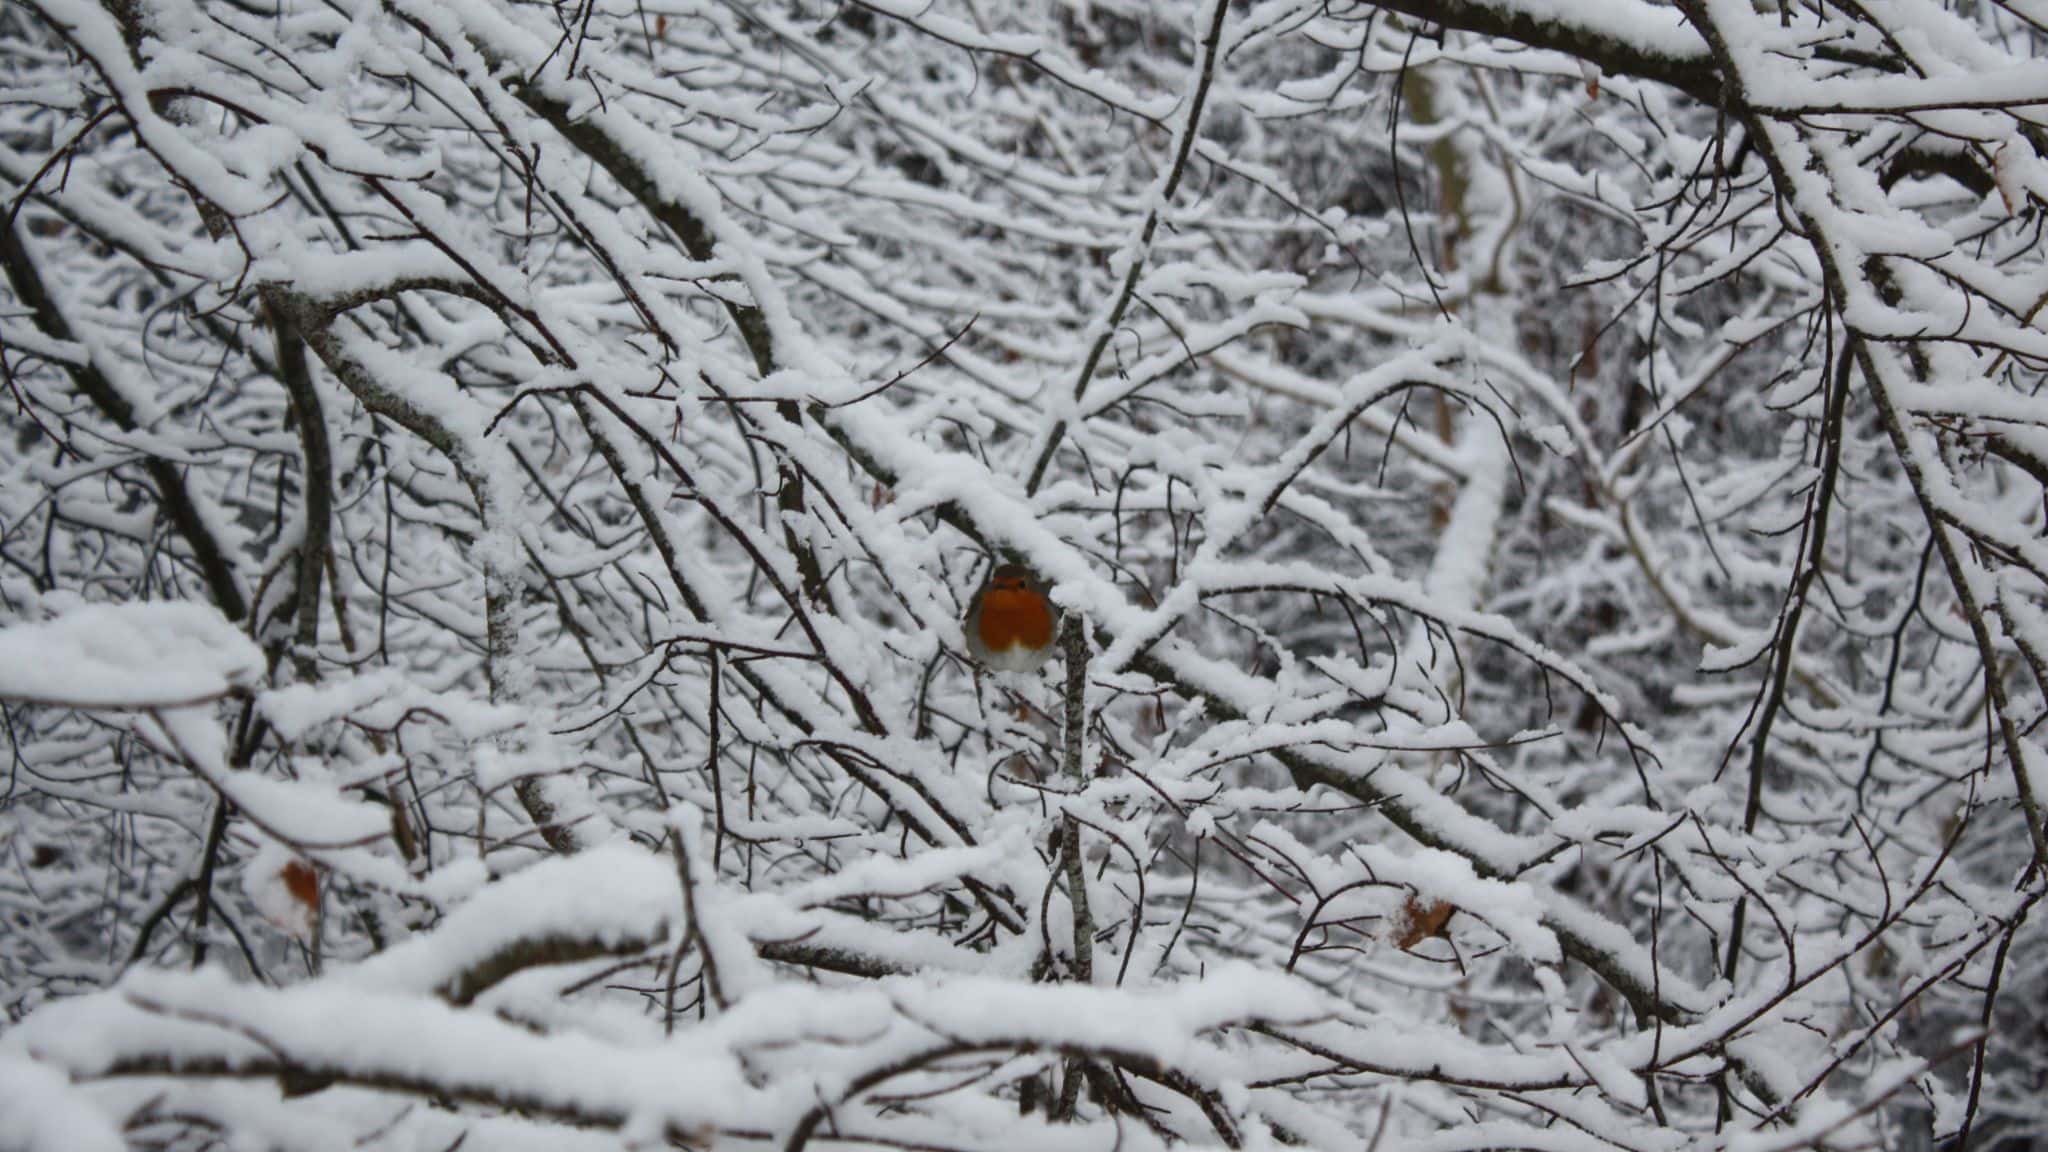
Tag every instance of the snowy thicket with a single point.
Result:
(1547, 497)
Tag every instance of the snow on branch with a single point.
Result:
(1537, 505)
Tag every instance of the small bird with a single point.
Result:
(1011, 622)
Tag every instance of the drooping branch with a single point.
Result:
(176, 499)
(1788, 149)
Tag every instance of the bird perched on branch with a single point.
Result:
(1011, 622)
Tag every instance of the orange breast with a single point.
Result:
(1010, 618)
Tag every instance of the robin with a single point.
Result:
(1011, 622)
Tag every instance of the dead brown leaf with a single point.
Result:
(1420, 921)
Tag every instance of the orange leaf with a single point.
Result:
(1421, 921)
(302, 882)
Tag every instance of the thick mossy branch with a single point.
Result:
(1693, 73)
